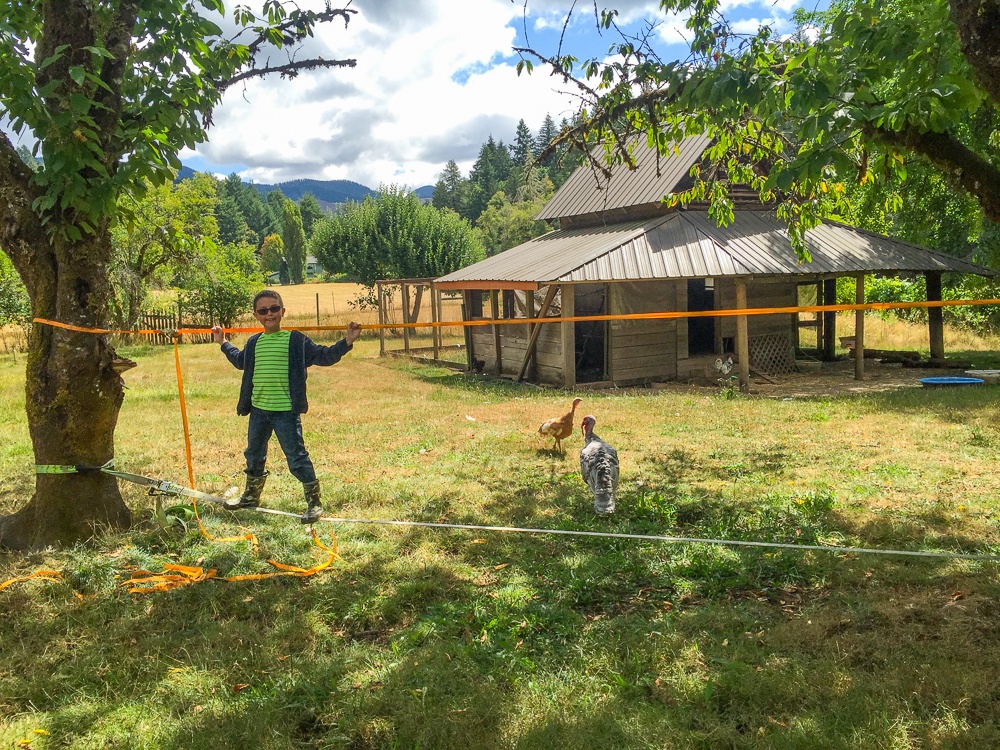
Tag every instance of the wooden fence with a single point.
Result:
(167, 322)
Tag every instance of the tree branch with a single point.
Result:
(285, 71)
(965, 168)
(300, 26)
(977, 22)
(17, 191)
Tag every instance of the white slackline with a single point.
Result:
(646, 537)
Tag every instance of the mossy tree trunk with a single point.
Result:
(73, 395)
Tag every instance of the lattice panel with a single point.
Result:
(772, 353)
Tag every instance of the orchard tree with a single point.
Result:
(860, 87)
(111, 90)
(395, 236)
(169, 226)
(272, 250)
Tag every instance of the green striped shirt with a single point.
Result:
(270, 372)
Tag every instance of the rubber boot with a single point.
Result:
(314, 508)
(251, 495)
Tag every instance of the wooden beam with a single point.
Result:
(742, 336)
(497, 348)
(531, 286)
(405, 292)
(466, 330)
(568, 336)
(935, 315)
(535, 330)
(859, 329)
(435, 332)
(381, 319)
(829, 321)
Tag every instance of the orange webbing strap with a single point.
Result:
(48, 575)
(146, 582)
(184, 415)
(667, 315)
(246, 537)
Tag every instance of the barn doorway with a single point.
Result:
(701, 331)
(591, 337)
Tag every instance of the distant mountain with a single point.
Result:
(327, 192)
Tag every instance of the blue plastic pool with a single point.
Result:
(946, 382)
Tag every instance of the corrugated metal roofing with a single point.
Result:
(587, 191)
(688, 244)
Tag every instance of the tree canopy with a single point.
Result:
(394, 235)
(846, 99)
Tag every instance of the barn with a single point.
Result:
(620, 250)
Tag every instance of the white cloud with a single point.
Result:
(431, 84)
(434, 79)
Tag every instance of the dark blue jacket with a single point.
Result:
(302, 352)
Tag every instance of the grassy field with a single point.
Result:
(420, 638)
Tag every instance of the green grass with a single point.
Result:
(420, 638)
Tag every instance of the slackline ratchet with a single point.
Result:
(160, 486)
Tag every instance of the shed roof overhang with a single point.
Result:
(688, 244)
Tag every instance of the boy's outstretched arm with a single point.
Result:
(353, 331)
(234, 355)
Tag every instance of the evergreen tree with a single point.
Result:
(293, 237)
(524, 144)
(311, 211)
(547, 132)
(489, 173)
(451, 188)
(233, 228)
(274, 208)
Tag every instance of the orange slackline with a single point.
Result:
(48, 575)
(145, 581)
(568, 319)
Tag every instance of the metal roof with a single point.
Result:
(688, 244)
(587, 191)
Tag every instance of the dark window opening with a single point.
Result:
(591, 337)
(701, 330)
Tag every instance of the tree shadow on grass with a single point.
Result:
(503, 640)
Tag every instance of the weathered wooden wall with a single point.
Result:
(644, 350)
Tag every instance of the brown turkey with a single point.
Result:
(560, 428)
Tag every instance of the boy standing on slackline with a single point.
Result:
(273, 394)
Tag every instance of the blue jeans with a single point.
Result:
(288, 427)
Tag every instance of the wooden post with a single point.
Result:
(467, 330)
(405, 292)
(495, 304)
(317, 308)
(742, 336)
(935, 315)
(829, 321)
(440, 317)
(859, 330)
(435, 317)
(536, 329)
(381, 318)
(568, 336)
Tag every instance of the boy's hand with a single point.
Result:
(353, 331)
(218, 335)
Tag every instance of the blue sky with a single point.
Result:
(434, 79)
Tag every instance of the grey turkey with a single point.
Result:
(599, 468)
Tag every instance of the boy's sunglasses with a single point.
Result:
(271, 309)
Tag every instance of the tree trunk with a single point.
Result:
(72, 398)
